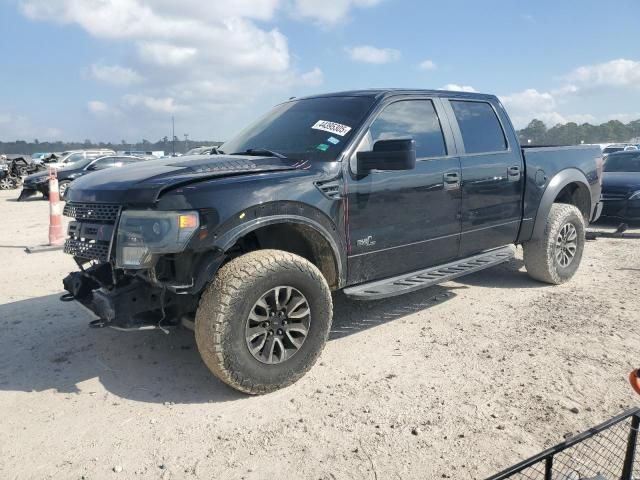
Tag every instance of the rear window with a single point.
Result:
(612, 149)
(622, 162)
(480, 127)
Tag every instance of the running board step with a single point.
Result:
(431, 276)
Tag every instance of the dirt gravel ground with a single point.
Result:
(457, 381)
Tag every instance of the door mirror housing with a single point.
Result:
(388, 155)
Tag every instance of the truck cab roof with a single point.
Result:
(380, 93)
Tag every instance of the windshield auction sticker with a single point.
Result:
(332, 127)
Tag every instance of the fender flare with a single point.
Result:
(555, 186)
(230, 237)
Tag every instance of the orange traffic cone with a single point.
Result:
(634, 379)
(56, 235)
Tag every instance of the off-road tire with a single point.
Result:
(224, 309)
(539, 254)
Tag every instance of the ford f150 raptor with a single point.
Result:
(375, 192)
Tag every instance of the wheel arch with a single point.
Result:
(570, 186)
(294, 234)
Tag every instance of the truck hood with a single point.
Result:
(142, 183)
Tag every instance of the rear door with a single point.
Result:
(492, 176)
(401, 221)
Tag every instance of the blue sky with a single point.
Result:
(118, 69)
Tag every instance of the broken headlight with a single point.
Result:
(142, 234)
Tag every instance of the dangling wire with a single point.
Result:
(164, 315)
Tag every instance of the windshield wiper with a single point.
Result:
(260, 152)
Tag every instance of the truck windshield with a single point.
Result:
(310, 129)
(623, 163)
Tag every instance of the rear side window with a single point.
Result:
(105, 162)
(415, 119)
(480, 128)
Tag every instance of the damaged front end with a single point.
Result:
(134, 271)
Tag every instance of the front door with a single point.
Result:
(401, 221)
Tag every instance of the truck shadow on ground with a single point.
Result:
(46, 344)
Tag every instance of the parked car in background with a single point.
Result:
(74, 156)
(621, 186)
(142, 154)
(6, 182)
(629, 148)
(209, 150)
(38, 182)
(614, 147)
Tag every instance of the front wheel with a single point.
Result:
(62, 188)
(556, 256)
(263, 321)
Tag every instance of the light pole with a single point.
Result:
(186, 142)
(173, 136)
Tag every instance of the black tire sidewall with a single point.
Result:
(240, 359)
(567, 272)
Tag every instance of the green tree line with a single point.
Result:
(35, 146)
(537, 133)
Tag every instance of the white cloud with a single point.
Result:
(427, 65)
(614, 73)
(191, 56)
(115, 74)
(159, 105)
(17, 126)
(312, 78)
(623, 117)
(100, 109)
(329, 11)
(170, 34)
(164, 54)
(97, 107)
(369, 54)
(529, 100)
(529, 104)
(454, 87)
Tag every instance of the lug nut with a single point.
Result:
(284, 322)
(280, 331)
(270, 333)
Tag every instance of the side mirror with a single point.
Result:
(388, 155)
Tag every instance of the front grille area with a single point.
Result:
(91, 250)
(90, 235)
(100, 212)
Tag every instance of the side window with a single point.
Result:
(415, 119)
(102, 163)
(75, 157)
(480, 128)
(125, 160)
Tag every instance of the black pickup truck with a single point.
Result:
(375, 193)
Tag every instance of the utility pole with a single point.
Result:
(186, 142)
(173, 135)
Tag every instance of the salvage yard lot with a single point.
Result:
(456, 381)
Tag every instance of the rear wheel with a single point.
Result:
(6, 183)
(263, 321)
(556, 256)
